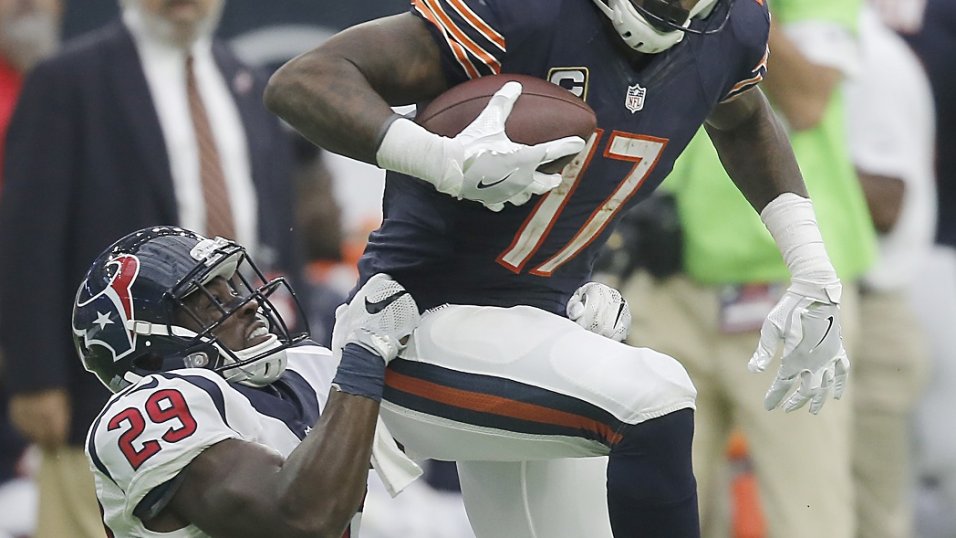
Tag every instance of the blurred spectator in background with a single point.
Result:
(709, 314)
(318, 217)
(29, 31)
(903, 16)
(934, 41)
(891, 128)
(148, 120)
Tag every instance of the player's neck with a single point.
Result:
(638, 60)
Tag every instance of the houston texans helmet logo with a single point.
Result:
(99, 314)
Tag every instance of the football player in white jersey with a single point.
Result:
(224, 423)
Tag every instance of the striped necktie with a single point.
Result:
(215, 192)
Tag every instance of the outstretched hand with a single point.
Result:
(814, 360)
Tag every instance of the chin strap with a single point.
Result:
(263, 371)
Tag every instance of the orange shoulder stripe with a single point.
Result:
(460, 55)
(462, 38)
(743, 83)
(478, 24)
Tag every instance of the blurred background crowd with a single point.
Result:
(100, 115)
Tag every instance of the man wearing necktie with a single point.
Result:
(147, 121)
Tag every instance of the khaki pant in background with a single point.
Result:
(888, 376)
(802, 462)
(67, 504)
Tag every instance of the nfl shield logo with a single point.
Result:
(635, 98)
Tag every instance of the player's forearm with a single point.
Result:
(239, 489)
(327, 100)
(755, 150)
(340, 95)
(323, 481)
(756, 153)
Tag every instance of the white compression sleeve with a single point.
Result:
(410, 149)
(793, 225)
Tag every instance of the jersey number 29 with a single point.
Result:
(161, 406)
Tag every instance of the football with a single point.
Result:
(543, 112)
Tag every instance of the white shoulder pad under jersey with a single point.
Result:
(148, 433)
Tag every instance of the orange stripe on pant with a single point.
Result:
(497, 405)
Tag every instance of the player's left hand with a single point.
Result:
(808, 326)
(600, 309)
(494, 170)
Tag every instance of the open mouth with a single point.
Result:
(258, 334)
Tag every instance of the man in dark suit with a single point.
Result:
(146, 121)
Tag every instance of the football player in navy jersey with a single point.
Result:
(223, 422)
(501, 368)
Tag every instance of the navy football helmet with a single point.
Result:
(126, 310)
(653, 26)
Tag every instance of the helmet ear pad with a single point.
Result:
(656, 25)
(635, 29)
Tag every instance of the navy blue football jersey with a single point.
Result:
(450, 251)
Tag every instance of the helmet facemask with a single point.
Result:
(225, 291)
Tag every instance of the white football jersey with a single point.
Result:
(147, 433)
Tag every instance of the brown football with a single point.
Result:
(543, 112)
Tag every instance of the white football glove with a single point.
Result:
(481, 163)
(807, 323)
(495, 170)
(379, 318)
(600, 309)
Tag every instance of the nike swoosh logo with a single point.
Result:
(620, 310)
(830, 326)
(378, 306)
(483, 185)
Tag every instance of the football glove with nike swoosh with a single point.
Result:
(600, 309)
(814, 360)
(379, 318)
(481, 163)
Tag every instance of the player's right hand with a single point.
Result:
(487, 167)
(380, 318)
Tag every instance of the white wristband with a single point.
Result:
(793, 225)
(410, 149)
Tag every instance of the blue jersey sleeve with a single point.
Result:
(476, 36)
(751, 27)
